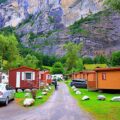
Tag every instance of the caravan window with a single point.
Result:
(28, 76)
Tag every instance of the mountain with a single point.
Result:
(46, 25)
(67, 11)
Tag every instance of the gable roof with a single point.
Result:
(94, 66)
(24, 67)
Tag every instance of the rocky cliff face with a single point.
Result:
(100, 33)
(43, 25)
(14, 11)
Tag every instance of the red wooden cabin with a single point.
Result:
(46, 77)
(24, 77)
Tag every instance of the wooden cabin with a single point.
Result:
(100, 78)
(91, 80)
(45, 77)
(81, 75)
(76, 75)
(24, 77)
(108, 78)
(84, 75)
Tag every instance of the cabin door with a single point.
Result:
(17, 79)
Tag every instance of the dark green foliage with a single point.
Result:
(73, 53)
(49, 60)
(8, 50)
(51, 19)
(88, 60)
(32, 36)
(115, 59)
(25, 51)
(58, 68)
(115, 4)
(7, 30)
(2, 1)
(63, 59)
(77, 28)
(31, 61)
(43, 59)
(100, 59)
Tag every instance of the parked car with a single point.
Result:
(7, 93)
(79, 83)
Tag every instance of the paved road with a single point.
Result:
(61, 106)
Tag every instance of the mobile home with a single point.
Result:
(24, 77)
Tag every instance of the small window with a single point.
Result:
(103, 76)
(3, 77)
(28, 76)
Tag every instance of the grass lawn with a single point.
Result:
(101, 110)
(19, 98)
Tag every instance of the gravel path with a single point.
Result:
(61, 106)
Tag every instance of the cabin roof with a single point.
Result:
(88, 71)
(24, 67)
(107, 69)
(94, 66)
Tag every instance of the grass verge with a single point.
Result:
(101, 110)
(19, 97)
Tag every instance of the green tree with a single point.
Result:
(49, 60)
(79, 65)
(25, 51)
(31, 61)
(18, 62)
(8, 49)
(100, 59)
(115, 4)
(73, 53)
(115, 59)
(58, 68)
(62, 59)
(88, 60)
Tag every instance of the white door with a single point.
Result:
(18, 79)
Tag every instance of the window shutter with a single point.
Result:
(33, 76)
(47, 77)
(23, 76)
(40, 75)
